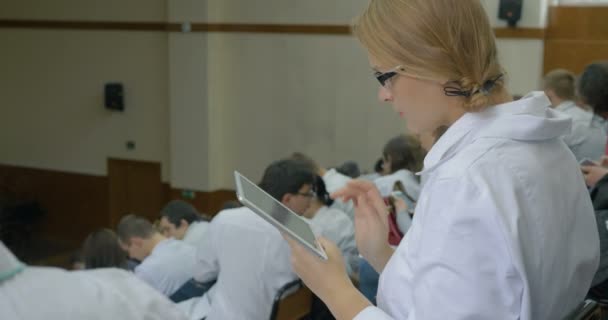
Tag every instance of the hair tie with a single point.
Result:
(485, 89)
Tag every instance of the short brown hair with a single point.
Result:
(562, 82)
(134, 226)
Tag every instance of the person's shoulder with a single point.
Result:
(233, 215)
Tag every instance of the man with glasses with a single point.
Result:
(246, 254)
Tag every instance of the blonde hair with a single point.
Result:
(562, 82)
(435, 40)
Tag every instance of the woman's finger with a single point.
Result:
(352, 190)
(378, 204)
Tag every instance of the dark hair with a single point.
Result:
(593, 86)
(350, 169)
(405, 152)
(378, 166)
(177, 210)
(101, 250)
(231, 204)
(286, 176)
(134, 226)
(321, 191)
(306, 160)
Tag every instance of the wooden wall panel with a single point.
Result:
(75, 204)
(581, 23)
(134, 187)
(575, 37)
(78, 204)
(573, 55)
(208, 203)
(512, 33)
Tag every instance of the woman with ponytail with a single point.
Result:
(496, 235)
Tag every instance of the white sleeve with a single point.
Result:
(207, 265)
(372, 313)
(121, 295)
(151, 278)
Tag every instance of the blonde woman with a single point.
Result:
(497, 235)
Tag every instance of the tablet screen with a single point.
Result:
(276, 213)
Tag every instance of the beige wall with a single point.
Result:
(51, 86)
(85, 10)
(202, 104)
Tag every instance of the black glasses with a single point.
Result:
(308, 194)
(384, 77)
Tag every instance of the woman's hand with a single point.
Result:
(327, 278)
(321, 276)
(371, 221)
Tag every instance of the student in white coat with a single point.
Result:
(402, 158)
(166, 264)
(491, 225)
(32, 293)
(587, 140)
(247, 254)
(333, 224)
(333, 180)
(180, 220)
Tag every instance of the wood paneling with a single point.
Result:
(75, 204)
(573, 55)
(517, 33)
(581, 23)
(134, 187)
(575, 37)
(208, 203)
(88, 25)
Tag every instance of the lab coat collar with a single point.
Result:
(528, 119)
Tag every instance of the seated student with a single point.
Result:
(333, 179)
(333, 224)
(166, 264)
(402, 159)
(246, 254)
(349, 169)
(180, 220)
(592, 89)
(231, 204)
(30, 293)
(101, 249)
(587, 138)
(378, 171)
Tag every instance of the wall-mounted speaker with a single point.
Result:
(510, 10)
(114, 96)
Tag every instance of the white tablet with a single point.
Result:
(277, 214)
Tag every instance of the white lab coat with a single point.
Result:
(170, 264)
(504, 226)
(335, 181)
(251, 262)
(587, 140)
(196, 232)
(33, 293)
(336, 226)
(386, 184)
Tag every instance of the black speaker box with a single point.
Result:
(114, 96)
(510, 10)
